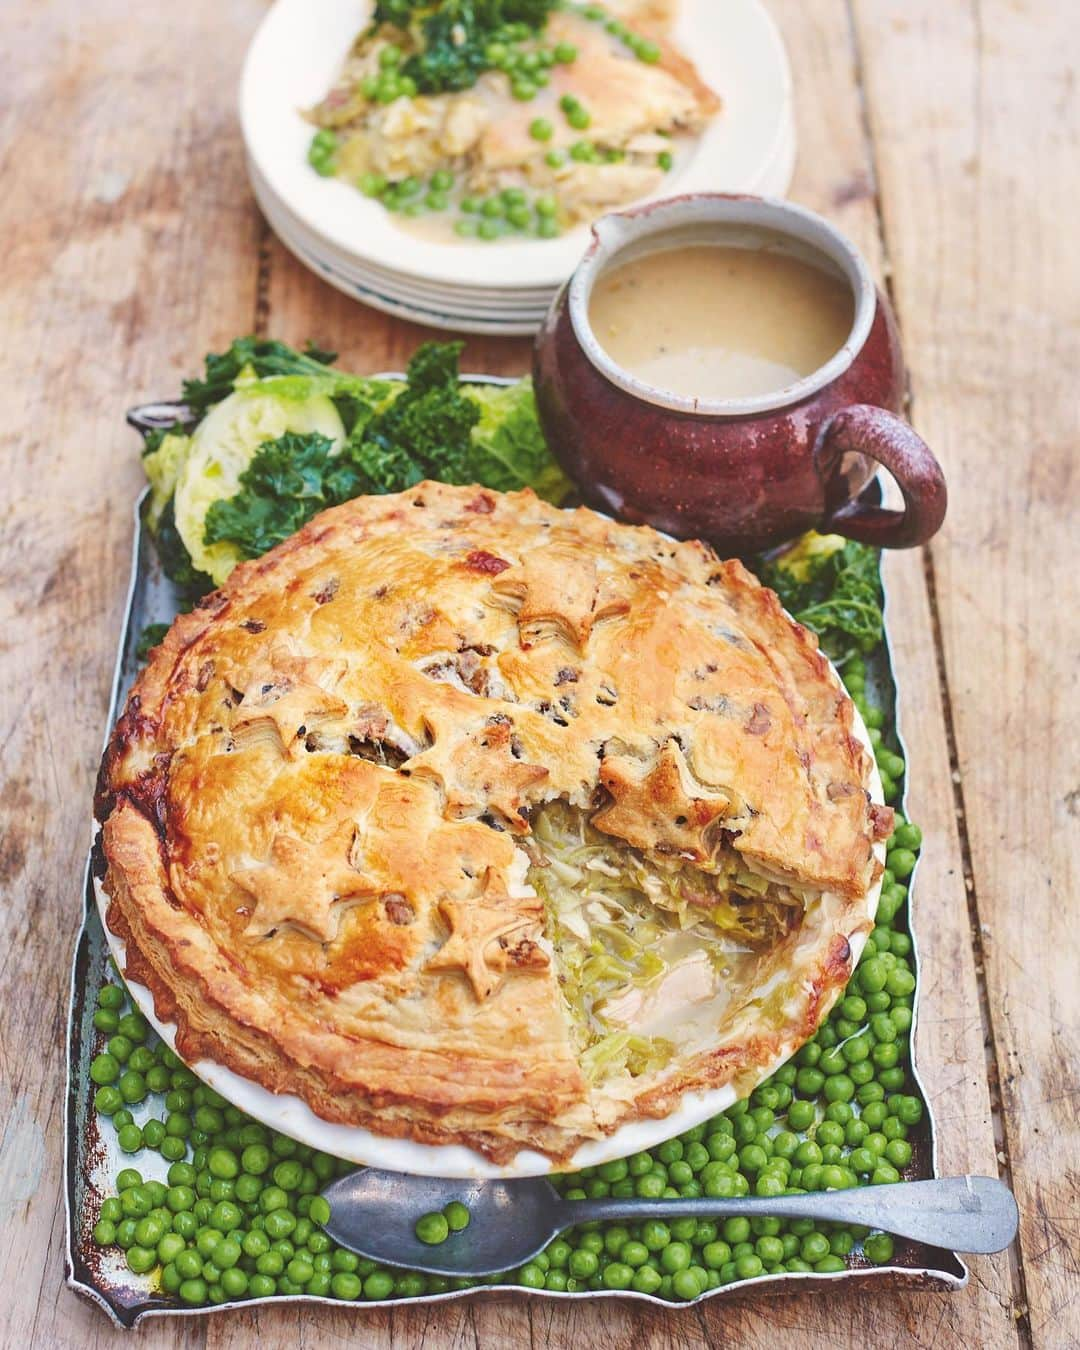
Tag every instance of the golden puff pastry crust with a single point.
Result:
(316, 805)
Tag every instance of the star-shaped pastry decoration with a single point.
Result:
(488, 936)
(659, 805)
(480, 773)
(557, 592)
(289, 695)
(304, 885)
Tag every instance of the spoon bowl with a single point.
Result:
(374, 1213)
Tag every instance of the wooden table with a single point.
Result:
(943, 136)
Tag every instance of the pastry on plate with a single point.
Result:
(556, 119)
(472, 820)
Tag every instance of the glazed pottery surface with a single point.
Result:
(743, 474)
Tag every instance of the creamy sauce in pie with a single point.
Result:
(720, 321)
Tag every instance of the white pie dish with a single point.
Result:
(292, 1116)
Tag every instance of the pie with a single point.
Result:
(471, 820)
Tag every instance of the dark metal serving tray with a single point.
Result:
(92, 1157)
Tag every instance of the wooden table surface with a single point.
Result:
(943, 136)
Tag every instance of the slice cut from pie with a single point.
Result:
(471, 820)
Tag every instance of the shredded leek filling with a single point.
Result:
(644, 942)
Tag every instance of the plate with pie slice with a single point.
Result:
(474, 160)
(465, 835)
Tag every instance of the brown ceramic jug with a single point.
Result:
(744, 474)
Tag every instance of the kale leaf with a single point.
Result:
(149, 638)
(289, 480)
(834, 589)
(454, 35)
(426, 430)
(263, 355)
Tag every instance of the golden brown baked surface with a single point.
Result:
(317, 805)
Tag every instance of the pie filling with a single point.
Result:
(652, 953)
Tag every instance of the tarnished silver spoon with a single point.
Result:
(374, 1213)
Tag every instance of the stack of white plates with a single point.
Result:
(505, 286)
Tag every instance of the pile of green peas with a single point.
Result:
(510, 211)
(322, 152)
(528, 68)
(239, 1216)
(388, 82)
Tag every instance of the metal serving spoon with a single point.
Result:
(373, 1213)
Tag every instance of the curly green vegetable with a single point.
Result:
(833, 586)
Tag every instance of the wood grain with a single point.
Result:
(133, 247)
(128, 250)
(978, 186)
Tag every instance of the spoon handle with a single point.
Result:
(961, 1214)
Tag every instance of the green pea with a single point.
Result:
(616, 1275)
(132, 1086)
(878, 1248)
(129, 1138)
(578, 117)
(899, 983)
(902, 863)
(647, 51)
(107, 1100)
(736, 1230)
(647, 1280)
(142, 1059)
(555, 159)
(104, 1069)
(172, 1150)
(111, 996)
(565, 53)
(839, 1088)
(378, 1285)
(273, 1197)
(346, 1285)
(288, 1174)
(432, 1228)
(194, 1291)
(456, 1214)
(540, 129)
(255, 1159)
(489, 230)
(157, 1078)
(149, 1231)
(665, 160)
(909, 1110)
(583, 1264)
(141, 1259)
(106, 1020)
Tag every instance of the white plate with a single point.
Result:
(453, 318)
(298, 51)
(393, 285)
(294, 1117)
